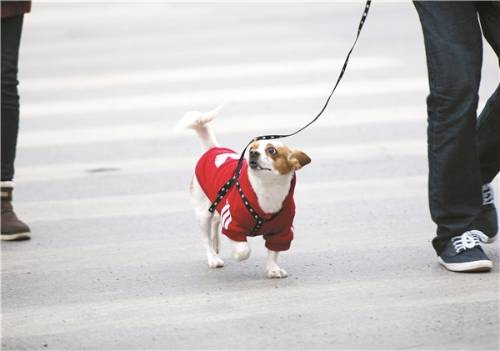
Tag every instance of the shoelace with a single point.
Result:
(468, 240)
(488, 195)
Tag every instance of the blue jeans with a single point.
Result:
(463, 149)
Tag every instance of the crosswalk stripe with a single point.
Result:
(307, 194)
(185, 99)
(381, 150)
(260, 124)
(190, 307)
(239, 36)
(200, 73)
(167, 55)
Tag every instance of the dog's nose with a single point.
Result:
(254, 153)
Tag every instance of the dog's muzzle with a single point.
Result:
(253, 161)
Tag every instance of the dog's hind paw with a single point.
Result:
(276, 272)
(215, 262)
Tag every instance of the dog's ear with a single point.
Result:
(299, 159)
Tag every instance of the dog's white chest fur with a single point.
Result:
(270, 191)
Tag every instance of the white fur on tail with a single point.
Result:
(199, 121)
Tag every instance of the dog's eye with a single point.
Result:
(271, 150)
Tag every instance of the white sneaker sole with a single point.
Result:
(474, 266)
(14, 237)
(491, 239)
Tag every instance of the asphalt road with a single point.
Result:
(116, 259)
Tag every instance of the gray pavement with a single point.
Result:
(116, 260)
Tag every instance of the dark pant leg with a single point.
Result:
(453, 45)
(11, 36)
(488, 132)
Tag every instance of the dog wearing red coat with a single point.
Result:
(260, 203)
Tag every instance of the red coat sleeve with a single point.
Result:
(280, 241)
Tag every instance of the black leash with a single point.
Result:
(225, 188)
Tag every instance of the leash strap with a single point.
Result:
(227, 186)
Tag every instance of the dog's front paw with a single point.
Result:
(276, 272)
(215, 262)
(241, 251)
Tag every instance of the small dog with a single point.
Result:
(259, 203)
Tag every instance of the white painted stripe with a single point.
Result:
(260, 124)
(190, 307)
(191, 99)
(124, 167)
(168, 54)
(367, 151)
(176, 2)
(200, 73)
(382, 150)
(199, 36)
(307, 195)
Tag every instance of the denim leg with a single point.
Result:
(488, 130)
(453, 45)
(11, 36)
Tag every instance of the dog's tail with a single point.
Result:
(199, 121)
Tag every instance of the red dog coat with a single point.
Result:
(213, 170)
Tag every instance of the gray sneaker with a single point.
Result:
(463, 253)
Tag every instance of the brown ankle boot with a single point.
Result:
(12, 227)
